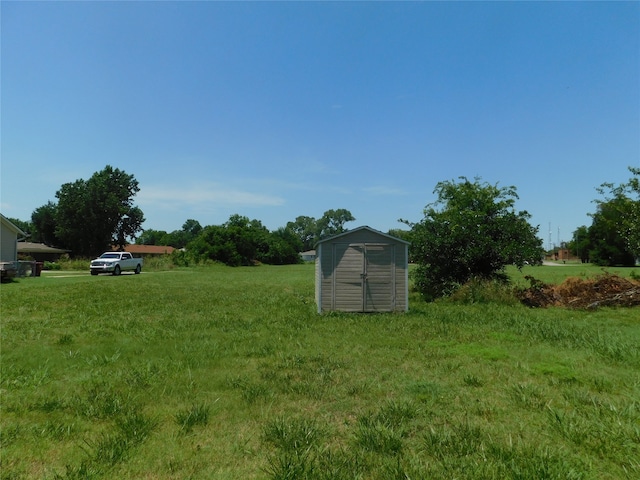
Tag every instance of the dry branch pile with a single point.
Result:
(601, 291)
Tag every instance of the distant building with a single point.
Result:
(561, 255)
(308, 256)
(40, 252)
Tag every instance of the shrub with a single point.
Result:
(472, 230)
(479, 290)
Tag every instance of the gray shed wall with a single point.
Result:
(9, 244)
(362, 271)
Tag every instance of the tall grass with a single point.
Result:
(229, 373)
(558, 273)
(66, 263)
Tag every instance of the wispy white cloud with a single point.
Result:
(382, 190)
(316, 166)
(204, 195)
(312, 166)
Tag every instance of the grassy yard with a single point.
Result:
(221, 373)
(558, 272)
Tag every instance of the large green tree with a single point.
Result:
(607, 242)
(471, 231)
(44, 224)
(309, 231)
(94, 214)
(304, 229)
(581, 245)
(332, 223)
(625, 200)
(632, 233)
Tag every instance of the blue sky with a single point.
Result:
(275, 110)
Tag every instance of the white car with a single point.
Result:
(115, 263)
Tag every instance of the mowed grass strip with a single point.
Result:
(229, 373)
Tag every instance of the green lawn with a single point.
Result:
(221, 373)
(557, 273)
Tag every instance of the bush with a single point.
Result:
(161, 262)
(479, 290)
(471, 231)
(67, 263)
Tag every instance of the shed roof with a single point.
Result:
(30, 247)
(364, 227)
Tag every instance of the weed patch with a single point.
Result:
(193, 416)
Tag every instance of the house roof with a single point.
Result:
(364, 227)
(149, 249)
(30, 247)
(7, 223)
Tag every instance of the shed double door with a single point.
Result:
(364, 277)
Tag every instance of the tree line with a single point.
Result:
(472, 230)
(303, 233)
(613, 238)
(98, 214)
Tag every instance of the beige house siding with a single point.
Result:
(362, 271)
(8, 240)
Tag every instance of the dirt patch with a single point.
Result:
(601, 291)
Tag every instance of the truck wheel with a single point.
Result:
(94, 272)
(138, 269)
(116, 270)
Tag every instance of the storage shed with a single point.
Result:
(362, 270)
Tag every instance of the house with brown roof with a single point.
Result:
(40, 252)
(148, 250)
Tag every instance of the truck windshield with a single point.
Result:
(110, 255)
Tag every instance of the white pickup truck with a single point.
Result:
(115, 263)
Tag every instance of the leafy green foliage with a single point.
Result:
(303, 228)
(332, 222)
(632, 223)
(154, 237)
(309, 231)
(91, 215)
(580, 245)
(471, 231)
(241, 241)
(614, 235)
(607, 246)
(178, 238)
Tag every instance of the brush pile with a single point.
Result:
(589, 293)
